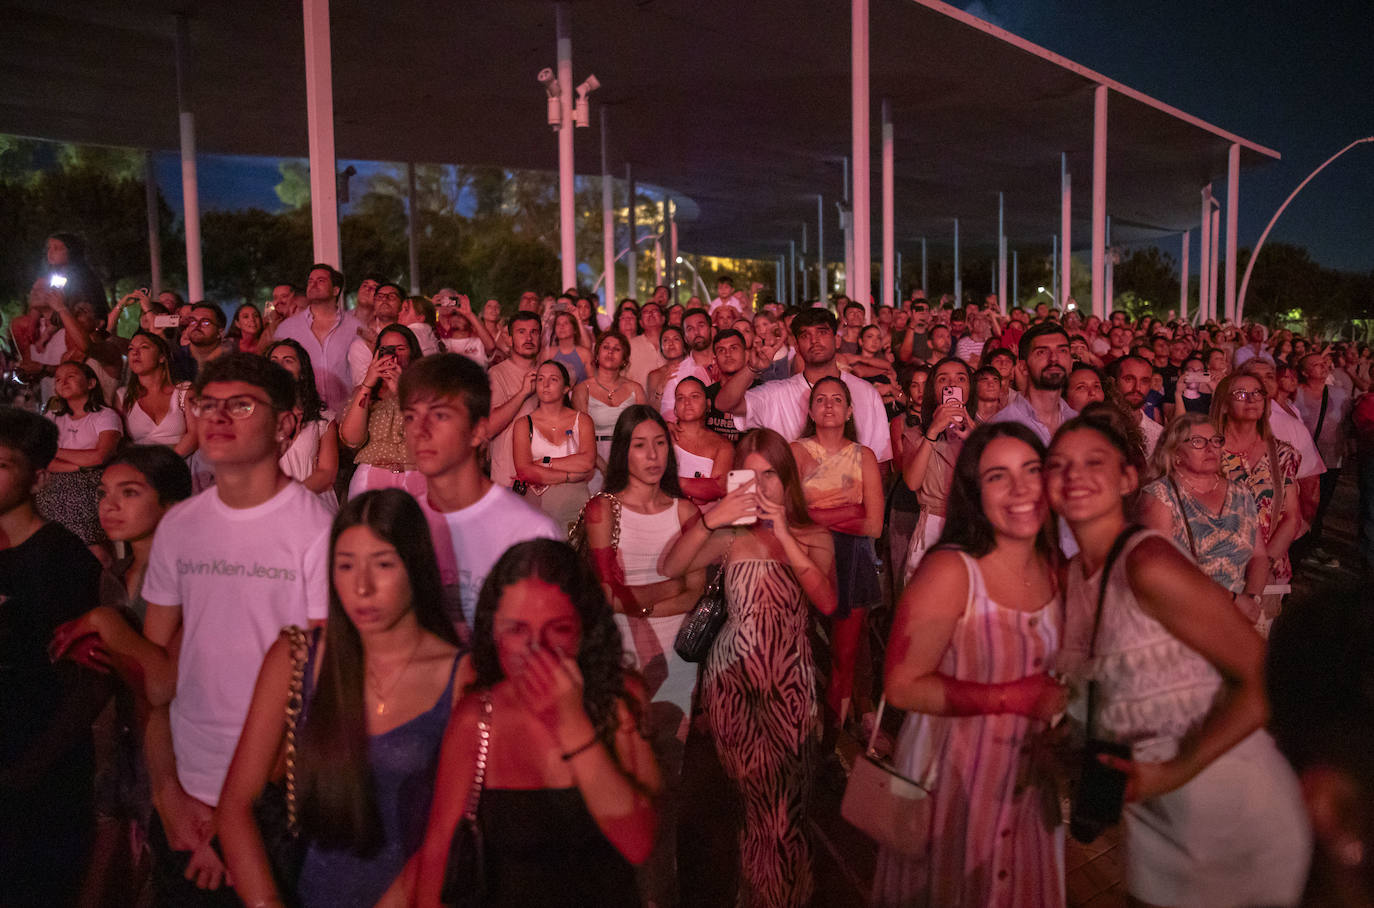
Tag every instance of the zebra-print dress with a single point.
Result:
(759, 693)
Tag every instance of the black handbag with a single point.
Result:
(698, 630)
(1101, 790)
(276, 809)
(465, 873)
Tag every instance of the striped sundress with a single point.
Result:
(996, 838)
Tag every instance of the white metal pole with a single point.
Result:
(779, 289)
(660, 271)
(792, 272)
(823, 287)
(925, 284)
(897, 284)
(1232, 214)
(1001, 284)
(889, 229)
(412, 229)
(607, 220)
(190, 195)
(848, 229)
(1054, 266)
(319, 113)
(1065, 231)
(1109, 271)
(805, 271)
(1099, 199)
(958, 278)
(154, 225)
(670, 260)
(567, 224)
(632, 260)
(1183, 279)
(1015, 275)
(861, 286)
(1214, 263)
(1204, 253)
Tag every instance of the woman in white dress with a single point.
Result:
(607, 393)
(154, 409)
(1214, 816)
(312, 455)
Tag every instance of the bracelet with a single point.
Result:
(584, 748)
(709, 528)
(927, 437)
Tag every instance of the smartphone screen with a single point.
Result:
(733, 480)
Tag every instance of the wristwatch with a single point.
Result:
(547, 461)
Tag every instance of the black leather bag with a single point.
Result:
(465, 873)
(275, 809)
(1101, 790)
(699, 629)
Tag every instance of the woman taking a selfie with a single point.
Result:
(1213, 813)
(377, 693)
(566, 801)
(759, 686)
(373, 425)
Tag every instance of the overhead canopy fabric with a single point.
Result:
(742, 107)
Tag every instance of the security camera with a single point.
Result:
(588, 86)
(581, 111)
(549, 80)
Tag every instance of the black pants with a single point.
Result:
(170, 886)
(1327, 488)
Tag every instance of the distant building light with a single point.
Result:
(1039, 289)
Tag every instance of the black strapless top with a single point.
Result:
(543, 848)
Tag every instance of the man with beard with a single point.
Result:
(386, 308)
(1044, 366)
(698, 332)
(938, 340)
(204, 341)
(1133, 376)
(644, 353)
(512, 392)
(782, 405)
(326, 331)
(730, 351)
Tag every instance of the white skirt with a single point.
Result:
(670, 680)
(1237, 834)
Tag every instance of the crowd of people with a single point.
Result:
(369, 598)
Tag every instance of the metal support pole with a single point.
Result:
(805, 271)
(1001, 283)
(792, 272)
(607, 220)
(889, 230)
(190, 195)
(1232, 213)
(1183, 279)
(670, 260)
(660, 271)
(1109, 270)
(154, 226)
(1054, 266)
(567, 224)
(924, 284)
(1204, 265)
(632, 261)
(319, 112)
(1099, 200)
(1015, 275)
(958, 278)
(823, 287)
(861, 281)
(779, 288)
(1214, 263)
(897, 285)
(412, 229)
(1065, 231)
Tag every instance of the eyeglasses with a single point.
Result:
(238, 407)
(203, 322)
(1242, 395)
(1197, 442)
(386, 295)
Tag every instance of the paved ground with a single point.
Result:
(844, 859)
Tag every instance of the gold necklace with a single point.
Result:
(378, 693)
(1192, 488)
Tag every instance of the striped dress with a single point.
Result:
(996, 839)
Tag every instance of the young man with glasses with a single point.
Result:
(205, 341)
(229, 569)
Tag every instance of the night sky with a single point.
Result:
(1296, 77)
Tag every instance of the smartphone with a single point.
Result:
(57, 281)
(387, 350)
(733, 480)
(953, 394)
(161, 322)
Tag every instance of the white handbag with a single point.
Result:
(885, 805)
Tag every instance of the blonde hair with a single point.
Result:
(1221, 404)
(1165, 457)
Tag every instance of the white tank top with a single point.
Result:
(541, 447)
(142, 429)
(643, 540)
(692, 466)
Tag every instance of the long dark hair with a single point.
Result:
(95, 397)
(967, 527)
(618, 463)
(133, 388)
(233, 331)
(600, 655)
(928, 402)
(773, 448)
(307, 392)
(167, 473)
(851, 431)
(338, 804)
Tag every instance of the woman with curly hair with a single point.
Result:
(566, 804)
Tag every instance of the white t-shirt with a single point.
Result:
(50, 355)
(688, 368)
(1152, 432)
(359, 358)
(240, 575)
(469, 541)
(969, 349)
(781, 406)
(471, 347)
(1292, 430)
(84, 434)
(425, 337)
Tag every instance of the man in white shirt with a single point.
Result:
(326, 332)
(229, 569)
(446, 400)
(1133, 375)
(1043, 365)
(782, 405)
(1254, 349)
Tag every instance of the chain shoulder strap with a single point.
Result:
(483, 747)
(295, 702)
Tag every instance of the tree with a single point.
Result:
(1150, 276)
